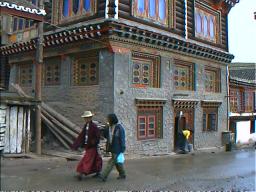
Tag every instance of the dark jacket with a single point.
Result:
(93, 137)
(118, 141)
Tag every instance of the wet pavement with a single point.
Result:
(229, 171)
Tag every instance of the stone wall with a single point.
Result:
(126, 109)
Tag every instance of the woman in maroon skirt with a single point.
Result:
(89, 139)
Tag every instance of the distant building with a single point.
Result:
(146, 61)
(242, 84)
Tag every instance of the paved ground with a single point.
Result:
(232, 171)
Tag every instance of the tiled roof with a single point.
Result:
(243, 72)
(23, 6)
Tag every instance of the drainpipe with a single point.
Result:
(106, 9)
(186, 19)
(116, 9)
(227, 79)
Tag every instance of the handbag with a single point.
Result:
(120, 158)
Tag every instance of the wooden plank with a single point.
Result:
(24, 130)
(28, 127)
(13, 129)
(20, 128)
(2, 115)
(7, 132)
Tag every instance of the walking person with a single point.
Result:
(89, 138)
(116, 143)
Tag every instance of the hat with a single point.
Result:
(87, 114)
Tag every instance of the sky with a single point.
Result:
(242, 31)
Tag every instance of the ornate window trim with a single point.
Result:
(152, 74)
(216, 83)
(184, 103)
(207, 23)
(149, 118)
(52, 71)
(189, 79)
(147, 14)
(210, 104)
(81, 11)
(26, 74)
(85, 66)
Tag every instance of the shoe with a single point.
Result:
(103, 179)
(96, 175)
(79, 177)
(121, 177)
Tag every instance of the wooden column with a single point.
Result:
(38, 83)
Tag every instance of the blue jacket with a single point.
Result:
(118, 140)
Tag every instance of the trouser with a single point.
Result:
(111, 163)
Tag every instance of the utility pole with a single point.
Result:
(38, 83)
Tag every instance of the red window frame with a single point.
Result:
(147, 128)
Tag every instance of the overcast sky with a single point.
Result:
(242, 31)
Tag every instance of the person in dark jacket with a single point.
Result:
(89, 139)
(116, 145)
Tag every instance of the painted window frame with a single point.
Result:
(248, 100)
(203, 11)
(206, 121)
(190, 79)
(52, 62)
(147, 113)
(154, 70)
(77, 71)
(15, 25)
(217, 81)
(26, 79)
(146, 14)
(81, 13)
(234, 100)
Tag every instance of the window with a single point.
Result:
(52, 71)
(85, 71)
(210, 119)
(248, 100)
(149, 122)
(235, 100)
(145, 70)
(149, 119)
(212, 80)
(183, 75)
(72, 8)
(19, 24)
(26, 75)
(151, 10)
(206, 23)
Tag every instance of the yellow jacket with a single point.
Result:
(186, 133)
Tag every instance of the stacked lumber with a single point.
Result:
(62, 128)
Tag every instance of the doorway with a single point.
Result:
(185, 121)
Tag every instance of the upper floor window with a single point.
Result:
(20, 24)
(206, 23)
(248, 100)
(85, 71)
(212, 80)
(183, 75)
(151, 10)
(235, 100)
(145, 70)
(72, 8)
